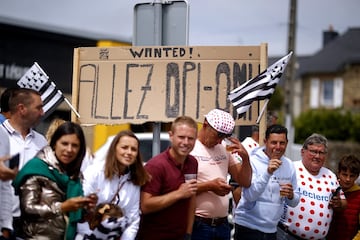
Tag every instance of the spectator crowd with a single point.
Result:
(51, 187)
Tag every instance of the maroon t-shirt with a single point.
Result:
(171, 222)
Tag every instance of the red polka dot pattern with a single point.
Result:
(249, 144)
(312, 217)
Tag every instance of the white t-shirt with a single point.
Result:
(311, 218)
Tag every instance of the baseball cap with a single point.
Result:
(221, 121)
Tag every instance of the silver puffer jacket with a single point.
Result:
(40, 201)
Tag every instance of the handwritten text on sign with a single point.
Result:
(140, 84)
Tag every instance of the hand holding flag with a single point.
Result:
(258, 88)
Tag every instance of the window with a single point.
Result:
(326, 93)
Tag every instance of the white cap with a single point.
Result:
(221, 121)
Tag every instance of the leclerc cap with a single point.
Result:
(221, 121)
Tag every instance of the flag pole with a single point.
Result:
(71, 106)
(262, 111)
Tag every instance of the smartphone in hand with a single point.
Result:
(334, 194)
(14, 161)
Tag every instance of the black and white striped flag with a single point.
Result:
(258, 88)
(36, 78)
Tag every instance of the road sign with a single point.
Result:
(161, 23)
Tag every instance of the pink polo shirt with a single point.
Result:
(212, 163)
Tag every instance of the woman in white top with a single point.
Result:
(117, 179)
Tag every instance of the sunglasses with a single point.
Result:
(223, 135)
(220, 134)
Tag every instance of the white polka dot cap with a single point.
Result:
(221, 121)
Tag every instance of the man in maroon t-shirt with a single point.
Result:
(168, 199)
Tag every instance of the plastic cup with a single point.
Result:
(282, 183)
(189, 176)
(229, 145)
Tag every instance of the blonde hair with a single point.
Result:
(52, 128)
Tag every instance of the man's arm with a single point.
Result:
(150, 203)
(5, 172)
(241, 173)
(6, 204)
(191, 215)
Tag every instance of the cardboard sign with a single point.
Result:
(117, 85)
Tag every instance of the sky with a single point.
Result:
(211, 22)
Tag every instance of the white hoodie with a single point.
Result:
(261, 206)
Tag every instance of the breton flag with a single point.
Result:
(258, 88)
(36, 78)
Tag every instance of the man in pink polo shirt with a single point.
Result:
(214, 163)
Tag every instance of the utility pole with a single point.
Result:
(290, 70)
(290, 77)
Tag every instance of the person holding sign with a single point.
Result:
(273, 183)
(215, 162)
(168, 199)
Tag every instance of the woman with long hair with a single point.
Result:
(117, 180)
(49, 187)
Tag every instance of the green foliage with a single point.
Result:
(276, 101)
(355, 130)
(334, 124)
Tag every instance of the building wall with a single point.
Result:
(305, 106)
(339, 149)
(352, 88)
(351, 91)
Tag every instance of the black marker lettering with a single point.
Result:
(172, 74)
(145, 88)
(113, 95)
(135, 53)
(222, 68)
(126, 104)
(188, 67)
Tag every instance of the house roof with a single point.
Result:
(335, 55)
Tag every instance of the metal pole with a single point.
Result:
(158, 23)
(158, 42)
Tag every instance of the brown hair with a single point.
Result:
(183, 120)
(138, 175)
(349, 162)
(72, 169)
(21, 96)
